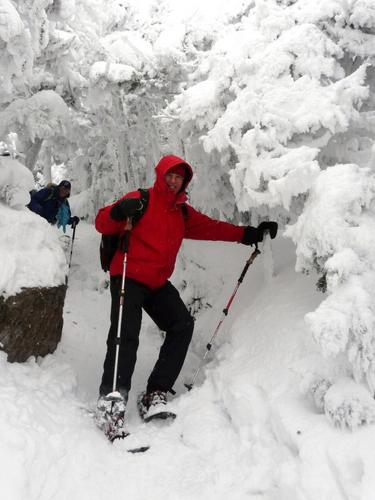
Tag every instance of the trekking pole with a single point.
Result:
(249, 261)
(124, 247)
(71, 248)
(71, 253)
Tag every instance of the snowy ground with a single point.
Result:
(244, 432)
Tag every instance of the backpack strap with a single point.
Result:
(184, 210)
(145, 196)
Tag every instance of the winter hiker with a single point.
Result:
(155, 239)
(52, 204)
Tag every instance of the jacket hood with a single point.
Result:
(166, 164)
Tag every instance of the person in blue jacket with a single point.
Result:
(52, 204)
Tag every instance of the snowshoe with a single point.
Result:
(153, 405)
(141, 449)
(110, 415)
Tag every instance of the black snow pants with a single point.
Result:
(167, 310)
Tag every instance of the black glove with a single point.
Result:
(253, 235)
(74, 221)
(263, 227)
(128, 207)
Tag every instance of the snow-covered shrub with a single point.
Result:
(318, 390)
(16, 181)
(42, 115)
(336, 235)
(348, 404)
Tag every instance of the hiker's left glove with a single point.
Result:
(253, 235)
(74, 221)
(127, 207)
(264, 227)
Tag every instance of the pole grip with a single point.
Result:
(248, 263)
(124, 239)
(71, 254)
(244, 271)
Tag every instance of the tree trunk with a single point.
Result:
(31, 154)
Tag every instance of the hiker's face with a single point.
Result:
(174, 181)
(64, 192)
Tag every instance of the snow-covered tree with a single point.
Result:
(128, 82)
(269, 95)
(16, 54)
(35, 119)
(33, 60)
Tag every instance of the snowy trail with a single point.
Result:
(245, 433)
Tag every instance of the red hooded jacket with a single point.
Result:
(156, 238)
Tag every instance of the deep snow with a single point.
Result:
(245, 431)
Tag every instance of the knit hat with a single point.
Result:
(178, 169)
(65, 184)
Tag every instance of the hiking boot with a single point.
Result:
(110, 413)
(154, 405)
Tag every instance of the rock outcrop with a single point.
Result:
(31, 322)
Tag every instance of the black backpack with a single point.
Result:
(109, 243)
